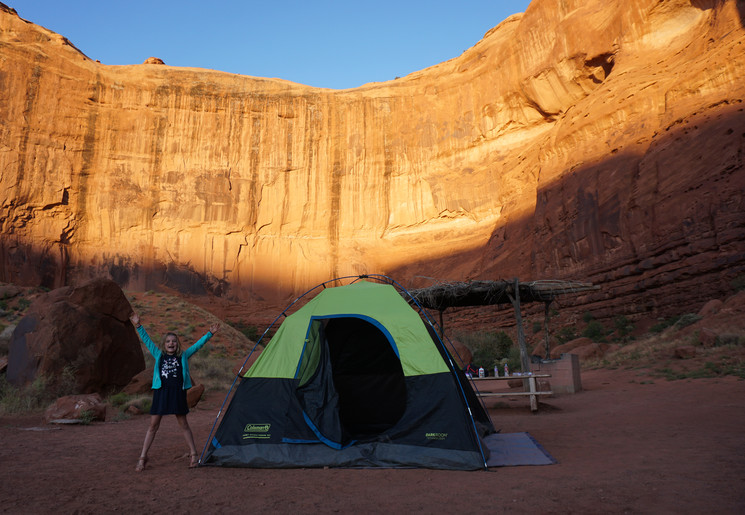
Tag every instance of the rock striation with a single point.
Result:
(600, 140)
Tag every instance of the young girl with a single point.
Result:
(170, 381)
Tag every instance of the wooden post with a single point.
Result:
(546, 316)
(524, 362)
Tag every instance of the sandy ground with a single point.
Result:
(623, 445)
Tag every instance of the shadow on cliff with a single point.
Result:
(660, 229)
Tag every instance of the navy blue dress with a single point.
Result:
(170, 398)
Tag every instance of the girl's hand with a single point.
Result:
(214, 328)
(135, 319)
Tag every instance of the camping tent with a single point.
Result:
(354, 378)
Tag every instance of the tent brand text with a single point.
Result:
(257, 428)
(436, 436)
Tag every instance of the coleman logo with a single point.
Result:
(436, 436)
(257, 428)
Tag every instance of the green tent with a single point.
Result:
(354, 378)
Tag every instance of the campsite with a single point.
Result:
(632, 441)
(626, 444)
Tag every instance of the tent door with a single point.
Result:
(367, 376)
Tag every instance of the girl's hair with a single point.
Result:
(178, 341)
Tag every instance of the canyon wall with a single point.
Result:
(599, 140)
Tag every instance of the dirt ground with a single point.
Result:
(624, 445)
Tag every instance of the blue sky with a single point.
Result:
(323, 43)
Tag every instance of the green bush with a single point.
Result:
(513, 360)
(119, 399)
(738, 283)
(587, 317)
(663, 324)
(249, 331)
(594, 331)
(32, 397)
(566, 334)
(624, 327)
(489, 348)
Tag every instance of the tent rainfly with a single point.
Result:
(354, 378)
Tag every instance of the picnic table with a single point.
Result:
(532, 392)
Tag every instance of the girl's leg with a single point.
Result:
(189, 437)
(149, 436)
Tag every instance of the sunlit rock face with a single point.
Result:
(598, 140)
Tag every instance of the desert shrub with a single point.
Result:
(119, 399)
(728, 339)
(587, 317)
(686, 320)
(738, 283)
(4, 305)
(566, 334)
(23, 304)
(87, 416)
(488, 348)
(663, 324)
(249, 331)
(141, 402)
(537, 326)
(32, 397)
(594, 331)
(215, 371)
(623, 326)
(513, 360)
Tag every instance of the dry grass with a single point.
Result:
(658, 355)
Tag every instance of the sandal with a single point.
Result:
(141, 463)
(194, 463)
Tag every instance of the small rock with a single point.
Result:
(711, 308)
(708, 338)
(685, 352)
(133, 410)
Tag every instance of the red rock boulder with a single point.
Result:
(711, 308)
(76, 408)
(141, 383)
(565, 348)
(80, 334)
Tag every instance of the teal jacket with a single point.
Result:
(158, 353)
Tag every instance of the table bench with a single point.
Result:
(532, 392)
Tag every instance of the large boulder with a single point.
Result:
(567, 347)
(80, 334)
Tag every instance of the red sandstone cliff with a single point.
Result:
(599, 140)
